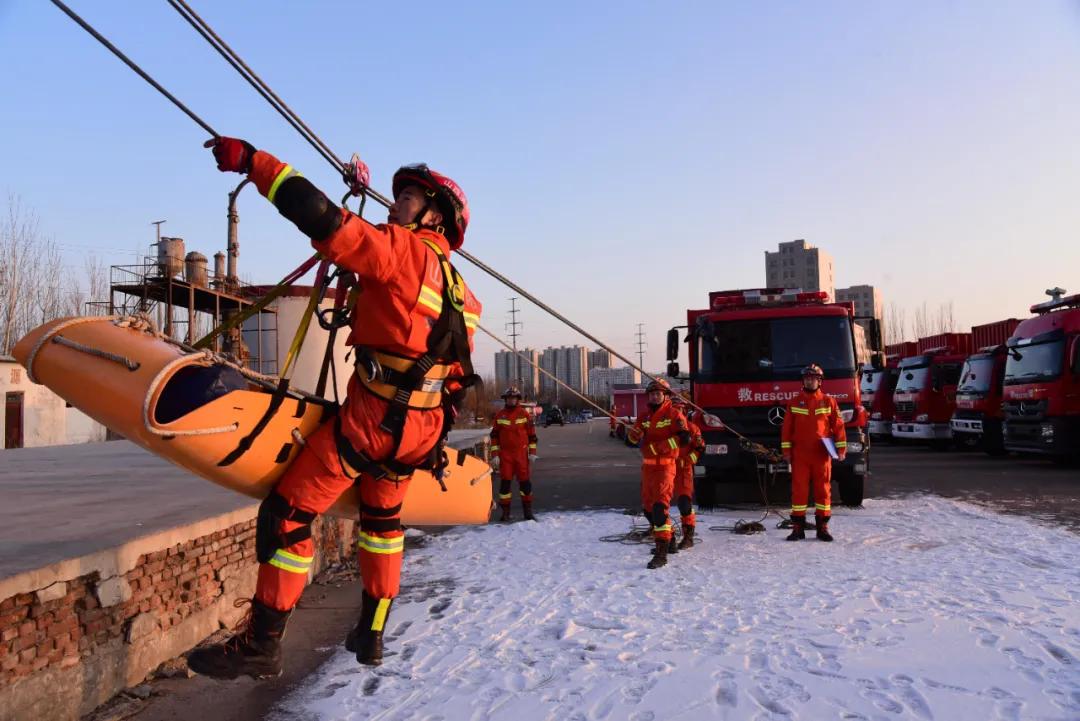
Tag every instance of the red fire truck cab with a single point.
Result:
(925, 395)
(1042, 380)
(876, 387)
(746, 354)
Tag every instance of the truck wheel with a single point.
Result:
(852, 486)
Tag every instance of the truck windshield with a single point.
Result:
(775, 349)
(912, 378)
(1035, 362)
(976, 375)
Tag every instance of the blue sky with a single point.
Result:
(621, 160)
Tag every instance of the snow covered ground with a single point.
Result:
(921, 609)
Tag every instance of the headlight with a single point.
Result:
(922, 418)
(876, 416)
(854, 447)
(1047, 430)
(847, 414)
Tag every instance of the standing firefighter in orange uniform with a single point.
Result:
(812, 416)
(513, 448)
(660, 430)
(411, 333)
(684, 476)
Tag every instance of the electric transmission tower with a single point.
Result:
(641, 345)
(512, 328)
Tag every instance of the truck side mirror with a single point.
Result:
(935, 380)
(875, 335)
(673, 369)
(673, 345)
(877, 361)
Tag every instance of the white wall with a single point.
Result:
(306, 372)
(47, 421)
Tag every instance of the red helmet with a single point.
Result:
(448, 194)
(813, 370)
(658, 385)
(512, 392)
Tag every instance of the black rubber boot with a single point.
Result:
(505, 517)
(687, 538)
(365, 640)
(672, 546)
(660, 556)
(798, 529)
(526, 511)
(823, 529)
(255, 650)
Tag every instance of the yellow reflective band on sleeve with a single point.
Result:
(378, 544)
(673, 443)
(471, 320)
(494, 448)
(785, 444)
(841, 444)
(800, 411)
(381, 610)
(822, 411)
(504, 421)
(291, 562)
(430, 298)
(652, 448)
(646, 424)
(286, 173)
(521, 420)
(663, 424)
(693, 458)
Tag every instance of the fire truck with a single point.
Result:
(877, 387)
(746, 354)
(978, 416)
(925, 395)
(1042, 380)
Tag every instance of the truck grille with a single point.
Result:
(905, 407)
(967, 415)
(1025, 410)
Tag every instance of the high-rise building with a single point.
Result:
(798, 264)
(601, 380)
(868, 303)
(599, 358)
(517, 371)
(570, 364)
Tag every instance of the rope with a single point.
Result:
(126, 362)
(47, 337)
(127, 61)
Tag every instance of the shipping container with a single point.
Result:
(955, 342)
(905, 349)
(994, 333)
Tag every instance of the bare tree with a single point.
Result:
(945, 322)
(922, 324)
(895, 324)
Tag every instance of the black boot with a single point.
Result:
(672, 546)
(823, 529)
(505, 517)
(798, 529)
(687, 538)
(254, 650)
(365, 640)
(526, 510)
(660, 557)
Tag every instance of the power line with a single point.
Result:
(512, 330)
(641, 345)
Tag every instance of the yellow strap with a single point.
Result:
(381, 609)
(301, 331)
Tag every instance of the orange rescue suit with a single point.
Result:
(659, 430)
(684, 472)
(513, 437)
(810, 417)
(401, 296)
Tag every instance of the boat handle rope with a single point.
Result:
(116, 358)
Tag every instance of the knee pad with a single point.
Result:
(525, 487)
(380, 520)
(685, 507)
(504, 485)
(659, 514)
(269, 537)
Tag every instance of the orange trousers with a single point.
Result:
(315, 480)
(514, 464)
(657, 485)
(816, 471)
(684, 491)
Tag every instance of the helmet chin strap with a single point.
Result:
(418, 219)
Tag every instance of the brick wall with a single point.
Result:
(70, 645)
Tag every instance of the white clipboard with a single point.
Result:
(831, 448)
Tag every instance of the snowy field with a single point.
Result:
(921, 609)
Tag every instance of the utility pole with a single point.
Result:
(641, 345)
(512, 327)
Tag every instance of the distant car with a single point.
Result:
(554, 415)
(575, 418)
(587, 415)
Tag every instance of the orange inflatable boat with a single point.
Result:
(125, 375)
